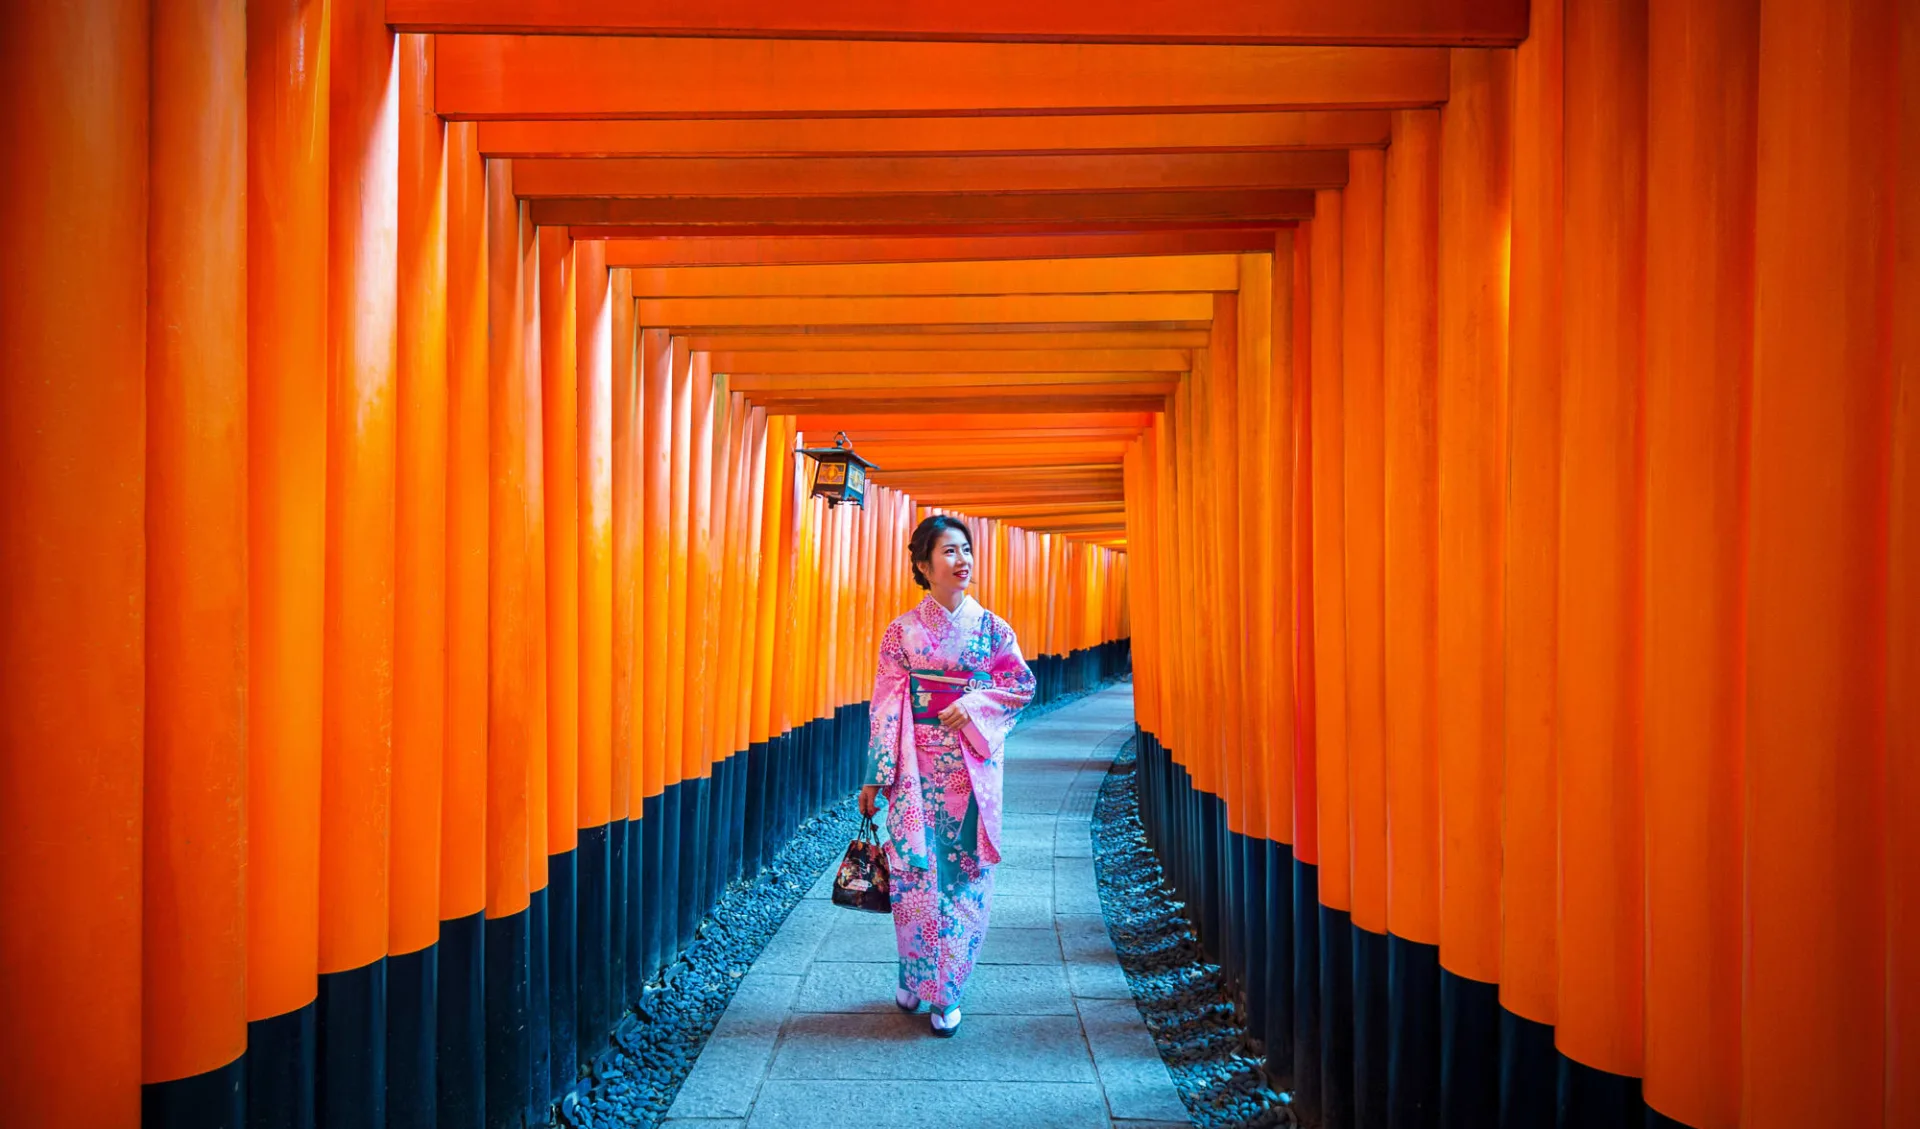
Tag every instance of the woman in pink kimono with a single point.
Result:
(950, 682)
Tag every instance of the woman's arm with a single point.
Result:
(990, 712)
(889, 698)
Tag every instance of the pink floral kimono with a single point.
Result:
(943, 787)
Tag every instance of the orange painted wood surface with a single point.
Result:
(594, 471)
(903, 364)
(509, 713)
(1306, 797)
(193, 945)
(464, 783)
(1529, 881)
(420, 658)
(1283, 753)
(1411, 526)
(868, 136)
(1476, 160)
(627, 759)
(1702, 92)
(1815, 818)
(538, 630)
(356, 726)
(710, 250)
(892, 310)
(1328, 374)
(561, 76)
(933, 213)
(649, 177)
(655, 413)
(560, 416)
(935, 338)
(1363, 266)
(73, 311)
(286, 491)
(1903, 614)
(1160, 21)
(1602, 542)
(1153, 274)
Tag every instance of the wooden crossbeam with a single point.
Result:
(999, 400)
(570, 76)
(960, 360)
(1027, 383)
(862, 423)
(624, 251)
(1024, 511)
(931, 213)
(883, 440)
(1439, 22)
(687, 312)
(842, 339)
(1161, 274)
(960, 494)
(1009, 134)
(543, 178)
(988, 458)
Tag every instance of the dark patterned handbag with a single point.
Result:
(863, 881)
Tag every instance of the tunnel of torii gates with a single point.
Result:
(1485, 430)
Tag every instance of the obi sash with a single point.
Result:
(933, 691)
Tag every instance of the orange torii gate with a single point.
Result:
(1485, 428)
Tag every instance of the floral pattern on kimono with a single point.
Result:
(931, 638)
(943, 788)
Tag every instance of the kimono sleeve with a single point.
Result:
(889, 700)
(991, 711)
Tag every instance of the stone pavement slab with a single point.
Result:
(1006, 1105)
(1051, 1039)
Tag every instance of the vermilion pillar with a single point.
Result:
(1903, 619)
(464, 871)
(287, 112)
(1254, 415)
(1329, 541)
(1602, 484)
(1475, 196)
(1363, 263)
(1411, 561)
(1529, 876)
(421, 509)
(194, 908)
(357, 694)
(628, 612)
(1363, 267)
(72, 549)
(1815, 968)
(594, 463)
(1279, 544)
(655, 398)
(509, 711)
(1702, 63)
(1333, 974)
(420, 588)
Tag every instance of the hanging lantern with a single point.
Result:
(839, 475)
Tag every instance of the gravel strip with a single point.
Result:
(655, 1044)
(1183, 997)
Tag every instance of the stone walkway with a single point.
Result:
(1051, 1039)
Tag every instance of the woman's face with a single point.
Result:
(949, 567)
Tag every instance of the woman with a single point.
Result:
(949, 683)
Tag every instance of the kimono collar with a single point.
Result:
(939, 620)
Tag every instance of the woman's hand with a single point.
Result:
(954, 717)
(869, 800)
